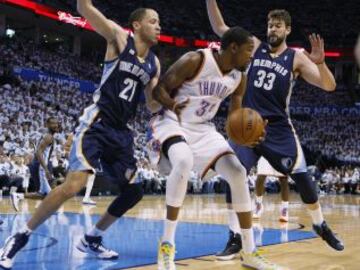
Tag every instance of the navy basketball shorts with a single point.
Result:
(281, 148)
(99, 148)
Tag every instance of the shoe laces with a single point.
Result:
(98, 244)
(166, 250)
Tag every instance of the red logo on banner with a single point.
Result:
(68, 18)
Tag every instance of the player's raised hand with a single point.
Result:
(317, 54)
(178, 107)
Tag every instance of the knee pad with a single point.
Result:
(169, 142)
(306, 187)
(235, 174)
(130, 196)
(181, 160)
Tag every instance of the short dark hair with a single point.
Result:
(281, 15)
(137, 15)
(235, 34)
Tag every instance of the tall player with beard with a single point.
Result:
(271, 77)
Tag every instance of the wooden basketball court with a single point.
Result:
(342, 212)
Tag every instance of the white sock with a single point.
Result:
(95, 232)
(258, 199)
(233, 221)
(248, 243)
(316, 216)
(284, 204)
(26, 230)
(89, 186)
(169, 231)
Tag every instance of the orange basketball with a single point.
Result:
(245, 126)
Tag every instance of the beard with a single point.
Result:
(275, 41)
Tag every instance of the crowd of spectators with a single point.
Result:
(21, 51)
(25, 106)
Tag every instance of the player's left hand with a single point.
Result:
(317, 54)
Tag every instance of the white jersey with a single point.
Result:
(205, 91)
(47, 151)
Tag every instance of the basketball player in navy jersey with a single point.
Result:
(271, 77)
(103, 142)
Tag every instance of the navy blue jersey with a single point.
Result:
(270, 81)
(123, 81)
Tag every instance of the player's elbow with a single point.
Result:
(330, 87)
(220, 30)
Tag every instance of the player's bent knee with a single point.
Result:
(130, 196)
(306, 187)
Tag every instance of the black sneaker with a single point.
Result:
(327, 235)
(233, 247)
(12, 246)
(94, 245)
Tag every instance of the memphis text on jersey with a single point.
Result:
(271, 65)
(135, 70)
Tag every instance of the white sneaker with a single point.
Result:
(14, 197)
(12, 246)
(93, 245)
(88, 201)
(257, 262)
(284, 215)
(259, 209)
(166, 256)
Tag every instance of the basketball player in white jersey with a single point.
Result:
(183, 136)
(43, 154)
(91, 178)
(264, 169)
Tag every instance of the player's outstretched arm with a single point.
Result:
(152, 105)
(106, 28)
(182, 70)
(312, 67)
(237, 96)
(217, 21)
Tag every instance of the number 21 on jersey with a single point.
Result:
(265, 80)
(128, 92)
